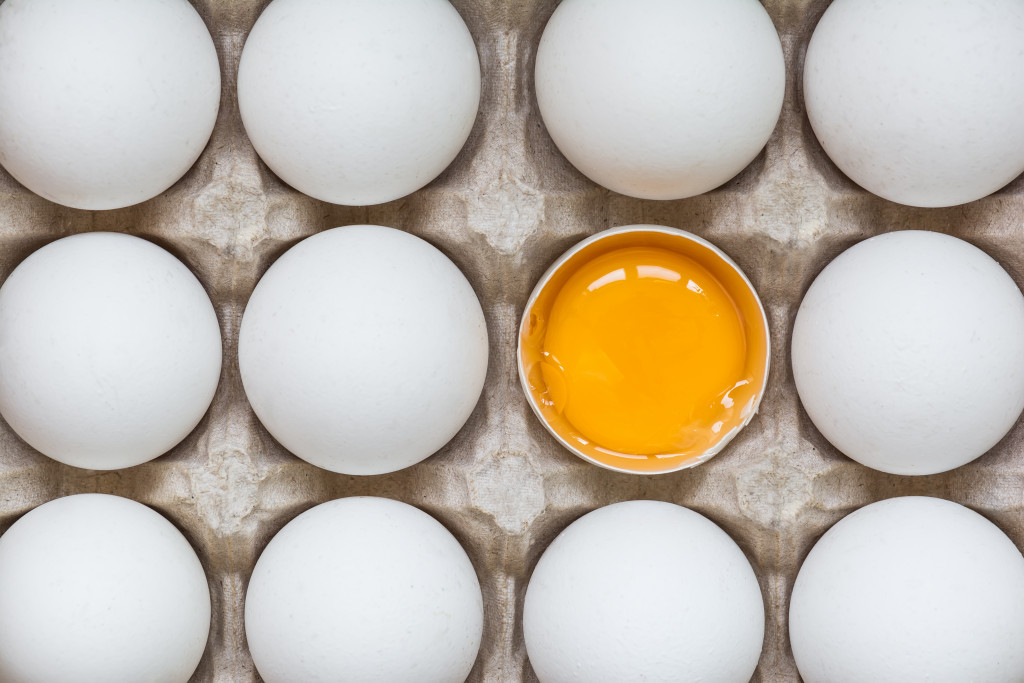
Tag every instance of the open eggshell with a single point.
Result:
(532, 330)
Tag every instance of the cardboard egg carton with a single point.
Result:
(504, 210)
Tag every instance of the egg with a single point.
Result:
(364, 589)
(104, 103)
(110, 351)
(660, 99)
(100, 588)
(643, 591)
(644, 349)
(908, 352)
(919, 101)
(363, 350)
(910, 589)
(358, 101)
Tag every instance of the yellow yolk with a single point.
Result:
(642, 353)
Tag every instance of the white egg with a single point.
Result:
(660, 99)
(110, 351)
(920, 101)
(908, 352)
(910, 589)
(643, 591)
(104, 103)
(363, 350)
(100, 589)
(364, 589)
(359, 101)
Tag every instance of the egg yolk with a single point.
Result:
(644, 354)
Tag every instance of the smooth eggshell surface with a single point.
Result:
(363, 350)
(920, 101)
(110, 350)
(104, 103)
(908, 352)
(100, 589)
(643, 591)
(660, 99)
(359, 101)
(910, 589)
(364, 590)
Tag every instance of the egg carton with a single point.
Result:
(504, 210)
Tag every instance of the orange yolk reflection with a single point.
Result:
(642, 354)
